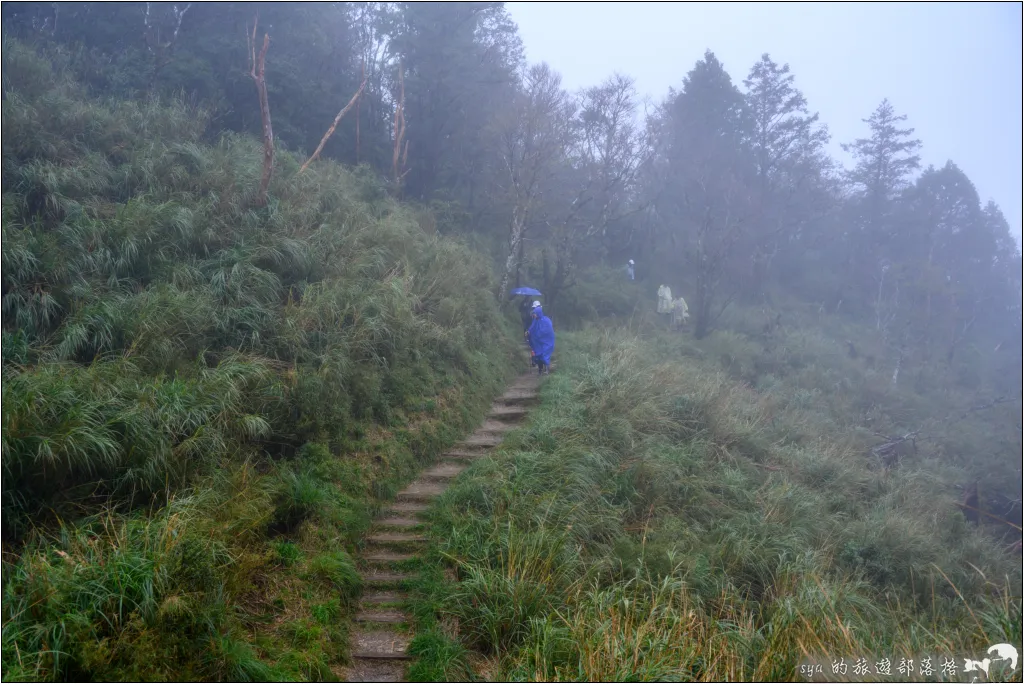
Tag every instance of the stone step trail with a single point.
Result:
(381, 636)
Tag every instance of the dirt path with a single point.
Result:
(383, 625)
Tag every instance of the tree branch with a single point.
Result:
(330, 131)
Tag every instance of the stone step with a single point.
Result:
(494, 427)
(383, 578)
(519, 397)
(374, 655)
(484, 441)
(397, 522)
(385, 538)
(527, 378)
(421, 491)
(385, 556)
(465, 454)
(380, 641)
(375, 671)
(384, 597)
(407, 507)
(444, 471)
(387, 617)
(507, 413)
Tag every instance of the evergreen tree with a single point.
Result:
(706, 204)
(788, 148)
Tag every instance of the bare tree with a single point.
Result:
(358, 108)
(606, 153)
(534, 136)
(159, 44)
(399, 152)
(257, 71)
(373, 43)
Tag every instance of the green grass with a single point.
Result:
(657, 520)
(204, 402)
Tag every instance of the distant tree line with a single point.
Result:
(726, 192)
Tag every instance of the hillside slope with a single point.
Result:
(203, 400)
(658, 521)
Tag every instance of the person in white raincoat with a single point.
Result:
(680, 313)
(664, 299)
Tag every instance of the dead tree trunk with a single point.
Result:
(515, 238)
(359, 106)
(969, 504)
(257, 71)
(399, 153)
(330, 131)
(896, 370)
(519, 264)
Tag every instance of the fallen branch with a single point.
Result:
(963, 506)
(330, 131)
(987, 405)
(888, 453)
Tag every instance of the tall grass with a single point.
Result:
(194, 385)
(654, 522)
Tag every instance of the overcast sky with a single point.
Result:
(953, 68)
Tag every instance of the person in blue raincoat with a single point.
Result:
(542, 339)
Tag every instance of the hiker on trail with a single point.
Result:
(631, 270)
(526, 313)
(542, 340)
(680, 313)
(664, 299)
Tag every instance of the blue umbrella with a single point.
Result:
(526, 291)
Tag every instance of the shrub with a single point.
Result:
(339, 571)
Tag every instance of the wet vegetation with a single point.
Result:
(205, 401)
(209, 391)
(658, 519)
